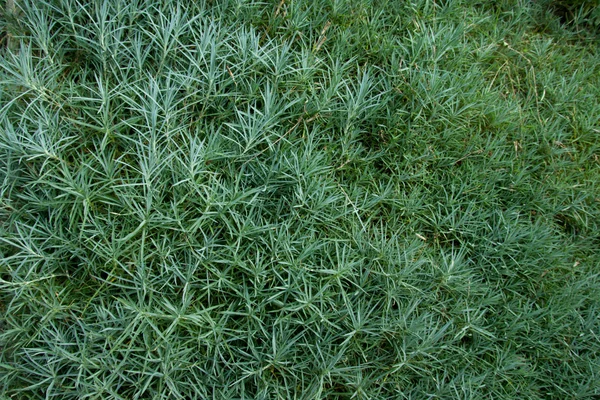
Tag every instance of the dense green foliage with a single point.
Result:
(299, 199)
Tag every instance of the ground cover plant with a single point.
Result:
(330, 199)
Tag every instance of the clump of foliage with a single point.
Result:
(298, 199)
(582, 16)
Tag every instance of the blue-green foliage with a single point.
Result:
(298, 199)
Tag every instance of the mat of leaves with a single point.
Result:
(330, 199)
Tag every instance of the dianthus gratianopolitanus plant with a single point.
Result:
(324, 199)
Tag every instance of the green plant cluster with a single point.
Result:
(298, 199)
(578, 15)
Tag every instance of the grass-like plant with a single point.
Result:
(330, 199)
